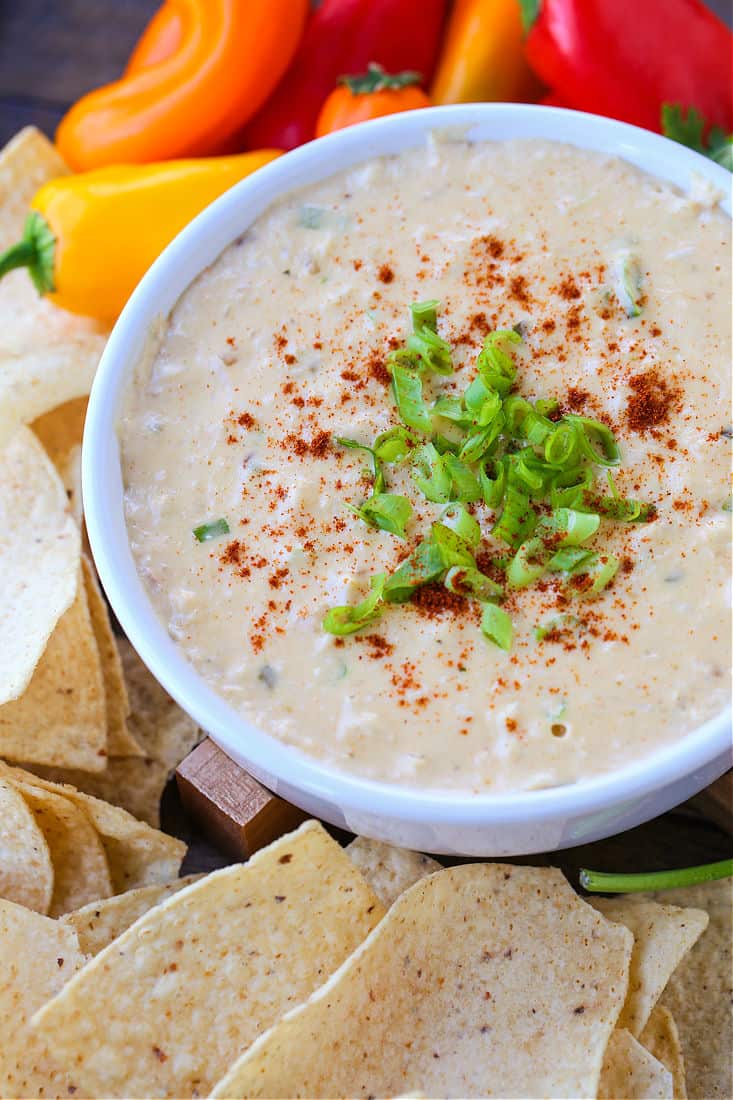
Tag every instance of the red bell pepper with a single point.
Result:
(343, 37)
(626, 58)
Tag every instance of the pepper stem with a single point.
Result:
(35, 250)
(375, 79)
(602, 882)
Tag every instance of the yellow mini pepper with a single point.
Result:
(90, 238)
(483, 55)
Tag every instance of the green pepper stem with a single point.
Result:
(22, 254)
(35, 250)
(601, 882)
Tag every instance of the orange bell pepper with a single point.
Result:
(376, 93)
(483, 56)
(227, 56)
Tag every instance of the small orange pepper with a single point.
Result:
(372, 95)
(227, 56)
(483, 55)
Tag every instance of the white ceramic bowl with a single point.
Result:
(483, 825)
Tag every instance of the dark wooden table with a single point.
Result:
(51, 53)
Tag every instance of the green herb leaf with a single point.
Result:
(211, 530)
(688, 129)
(530, 9)
(497, 626)
(348, 620)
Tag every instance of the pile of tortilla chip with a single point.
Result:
(318, 971)
(76, 704)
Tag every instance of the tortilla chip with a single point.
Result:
(47, 356)
(700, 993)
(137, 854)
(61, 717)
(61, 429)
(197, 978)
(38, 957)
(663, 935)
(120, 741)
(26, 871)
(661, 1038)
(99, 923)
(482, 980)
(388, 870)
(134, 783)
(39, 559)
(630, 1072)
(80, 871)
(166, 732)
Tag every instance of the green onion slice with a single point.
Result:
(354, 445)
(528, 564)
(468, 581)
(430, 474)
(592, 432)
(211, 530)
(347, 619)
(407, 389)
(492, 488)
(387, 511)
(432, 351)
(394, 445)
(609, 883)
(466, 485)
(425, 314)
(557, 623)
(495, 365)
(497, 626)
(601, 570)
(570, 558)
(425, 564)
(460, 520)
(517, 519)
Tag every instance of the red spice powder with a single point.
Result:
(385, 274)
(653, 400)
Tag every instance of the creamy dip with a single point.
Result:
(280, 346)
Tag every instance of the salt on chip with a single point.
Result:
(630, 1072)
(38, 957)
(166, 732)
(39, 559)
(137, 854)
(26, 871)
(663, 934)
(699, 993)
(120, 741)
(47, 356)
(99, 923)
(80, 870)
(197, 978)
(389, 870)
(60, 719)
(481, 980)
(661, 1038)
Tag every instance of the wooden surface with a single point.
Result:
(51, 52)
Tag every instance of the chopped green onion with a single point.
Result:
(481, 442)
(562, 445)
(610, 453)
(517, 519)
(468, 581)
(601, 571)
(495, 365)
(496, 625)
(451, 408)
(454, 549)
(527, 565)
(393, 445)
(432, 350)
(466, 486)
(387, 511)
(211, 530)
(347, 620)
(354, 445)
(557, 623)
(493, 488)
(626, 510)
(629, 284)
(570, 527)
(407, 389)
(569, 558)
(425, 564)
(425, 314)
(460, 520)
(430, 474)
(608, 883)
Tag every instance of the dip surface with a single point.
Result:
(281, 345)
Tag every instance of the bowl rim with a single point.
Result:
(197, 246)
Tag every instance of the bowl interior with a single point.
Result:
(193, 250)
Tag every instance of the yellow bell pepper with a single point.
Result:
(90, 238)
(483, 55)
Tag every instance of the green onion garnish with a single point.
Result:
(629, 284)
(496, 625)
(387, 511)
(494, 446)
(211, 530)
(609, 883)
(347, 619)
